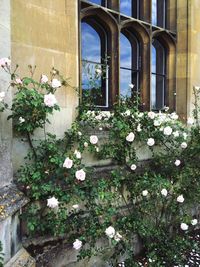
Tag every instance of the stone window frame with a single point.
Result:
(145, 32)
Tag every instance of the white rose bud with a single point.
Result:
(130, 137)
(133, 167)
(184, 226)
(177, 162)
(180, 199)
(176, 134)
(77, 244)
(44, 79)
(85, 144)
(183, 145)
(52, 203)
(110, 232)
(164, 192)
(21, 120)
(194, 222)
(145, 193)
(131, 85)
(75, 206)
(118, 237)
(150, 142)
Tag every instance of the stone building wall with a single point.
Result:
(45, 33)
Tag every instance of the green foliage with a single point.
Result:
(1, 255)
(139, 198)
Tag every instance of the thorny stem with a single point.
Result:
(31, 145)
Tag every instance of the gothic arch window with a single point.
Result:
(158, 77)
(159, 13)
(94, 67)
(129, 63)
(130, 8)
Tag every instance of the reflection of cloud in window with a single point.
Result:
(91, 43)
(153, 91)
(125, 7)
(154, 12)
(125, 80)
(153, 59)
(125, 52)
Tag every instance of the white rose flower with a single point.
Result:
(145, 193)
(80, 175)
(5, 62)
(167, 131)
(50, 100)
(184, 226)
(18, 81)
(177, 162)
(133, 167)
(85, 144)
(80, 133)
(183, 145)
(140, 115)
(2, 96)
(52, 202)
(93, 139)
(151, 115)
(98, 71)
(164, 192)
(98, 117)
(44, 79)
(75, 206)
(130, 137)
(180, 199)
(118, 237)
(150, 142)
(194, 222)
(68, 163)
(131, 85)
(110, 232)
(157, 123)
(77, 244)
(127, 113)
(139, 128)
(21, 120)
(176, 134)
(174, 116)
(197, 88)
(190, 121)
(77, 154)
(55, 83)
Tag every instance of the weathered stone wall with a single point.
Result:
(45, 34)
(5, 126)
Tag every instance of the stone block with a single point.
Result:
(21, 259)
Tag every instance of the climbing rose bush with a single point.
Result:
(149, 197)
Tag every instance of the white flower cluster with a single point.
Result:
(2, 96)
(111, 233)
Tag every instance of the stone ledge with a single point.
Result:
(21, 259)
(11, 200)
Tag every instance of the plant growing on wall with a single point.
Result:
(1, 255)
(148, 202)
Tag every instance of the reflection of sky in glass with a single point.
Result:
(125, 52)
(90, 78)
(125, 62)
(125, 80)
(154, 12)
(126, 7)
(91, 43)
(153, 91)
(98, 2)
(153, 59)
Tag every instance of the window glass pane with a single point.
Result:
(153, 59)
(91, 43)
(125, 52)
(126, 7)
(154, 12)
(158, 58)
(125, 80)
(153, 91)
(98, 2)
